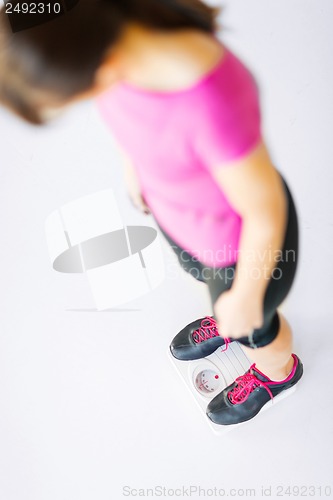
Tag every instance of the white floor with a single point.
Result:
(89, 402)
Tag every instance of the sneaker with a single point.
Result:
(198, 340)
(243, 399)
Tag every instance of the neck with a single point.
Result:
(160, 60)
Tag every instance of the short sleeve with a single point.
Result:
(228, 122)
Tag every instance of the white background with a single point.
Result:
(89, 401)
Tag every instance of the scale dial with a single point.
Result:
(209, 382)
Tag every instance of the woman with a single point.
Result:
(186, 113)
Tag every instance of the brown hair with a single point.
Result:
(61, 57)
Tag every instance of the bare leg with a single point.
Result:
(274, 360)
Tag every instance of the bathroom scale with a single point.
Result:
(207, 377)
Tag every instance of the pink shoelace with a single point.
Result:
(208, 330)
(245, 385)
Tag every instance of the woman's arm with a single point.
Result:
(255, 191)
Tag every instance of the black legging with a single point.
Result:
(220, 279)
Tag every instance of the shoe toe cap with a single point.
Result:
(182, 344)
(219, 409)
(220, 417)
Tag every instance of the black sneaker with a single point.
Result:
(245, 397)
(198, 340)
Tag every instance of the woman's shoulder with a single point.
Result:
(217, 73)
(205, 58)
(226, 84)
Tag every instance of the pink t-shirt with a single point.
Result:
(175, 139)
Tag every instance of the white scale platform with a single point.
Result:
(207, 377)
